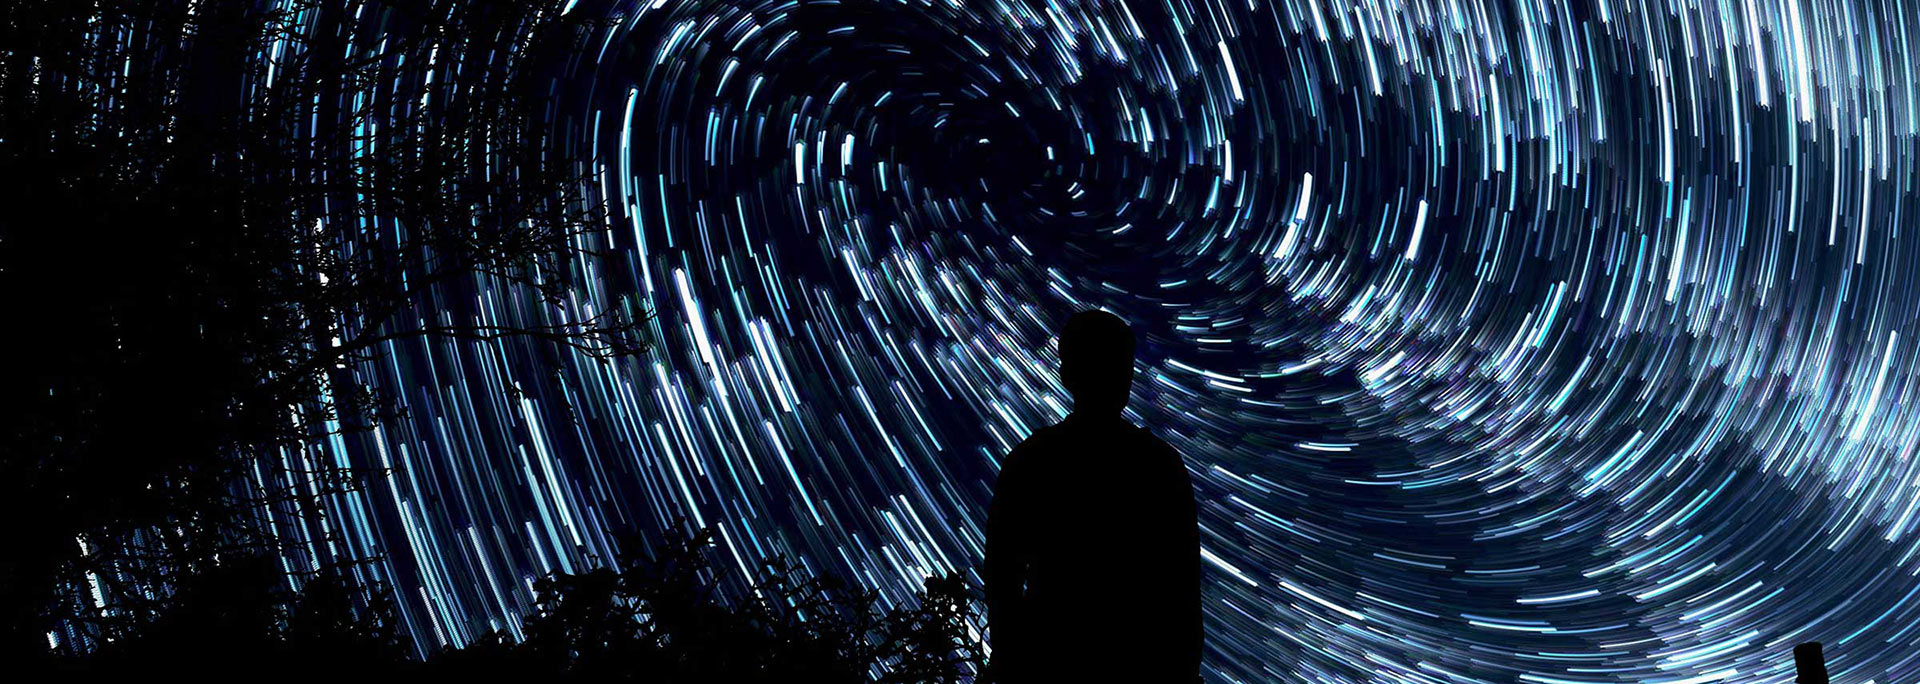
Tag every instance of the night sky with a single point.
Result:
(1536, 342)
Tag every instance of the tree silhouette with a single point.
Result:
(203, 270)
(238, 618)
(660, 619)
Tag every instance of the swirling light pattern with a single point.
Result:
(1530, 342)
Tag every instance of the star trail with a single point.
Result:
(1533, 342)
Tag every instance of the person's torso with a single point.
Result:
(1105, 525)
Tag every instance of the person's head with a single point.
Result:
(1096, 362)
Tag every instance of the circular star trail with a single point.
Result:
(1507, 342)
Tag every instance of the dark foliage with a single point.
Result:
(200, 271)
(654, 619)
(660, 620)
(237, 619)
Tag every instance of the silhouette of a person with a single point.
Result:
(1093, 544)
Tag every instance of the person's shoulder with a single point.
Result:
(1038, 438)
(1161, 452)
(1039, 442)
(1150, 440)
(1047, 438)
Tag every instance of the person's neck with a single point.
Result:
(1097, 415)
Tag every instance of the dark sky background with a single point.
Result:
(1507, 342)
